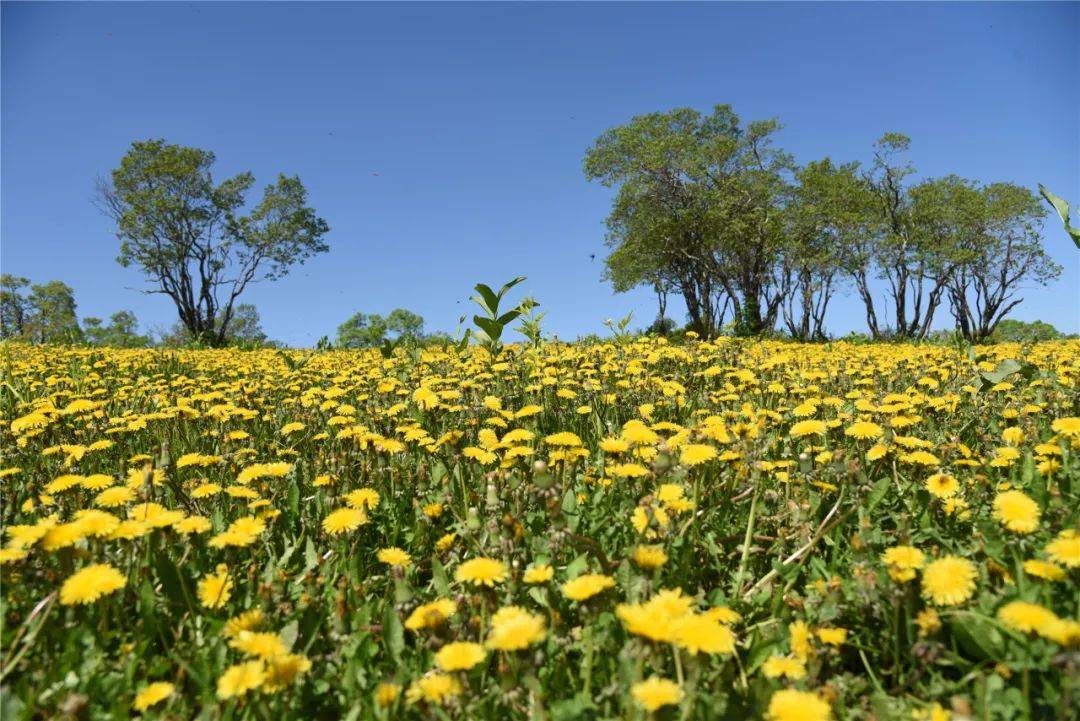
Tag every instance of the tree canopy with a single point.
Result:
(711, 208)
(190, 238)
(44, 315)
(121, 332)
(369, 330)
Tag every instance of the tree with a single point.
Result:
(51, 317)
(403, 323)
(913, 243)
(1018, 331)
(246, 327)
(188, 236)
(1001, 235)
(122, 331)
(827, 217)
(699, 208)
(370, 330)
(14, 306)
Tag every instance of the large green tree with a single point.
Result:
(826, 218)
(14, 306)
(191, 239)
(913, 244)
(52, 317)
(699, 208)
(1000, 226)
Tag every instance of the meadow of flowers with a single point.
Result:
(630, 529)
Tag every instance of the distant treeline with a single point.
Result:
(46, 313)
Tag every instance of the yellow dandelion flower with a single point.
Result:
(949, 581)
(91, 583)
(435, 688)
(240, 679)
(655, 692)
(586, 586)
(808, 428)
(791, 705)
(1065, 549)
(215, 589)
(1044, 570)
(152, 695)
(693, 454)
(394, 556)
(513, 628)
(538, 574)
(481, 572)
(459, 656)
(343, 520)
(1017, 512)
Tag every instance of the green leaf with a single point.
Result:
(11, 707)
(464, 342)
(575, 567)
(169, 576)
(570, 510)
(877, 493)
(289, 632)
(1060, 204)
(147, 604)
(393, 633)
(489, 326)
(977, 636)
(508, 317)
(571, 708)
(509, 285)
(439, 580)
(487, 300)
(538, 595)
(311, 557)
(294, 497)
(1062, 208)
(1004, 369)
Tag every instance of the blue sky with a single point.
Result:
(475, 119)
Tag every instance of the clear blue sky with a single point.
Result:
(476, 117)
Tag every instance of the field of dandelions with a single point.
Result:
(633, 529)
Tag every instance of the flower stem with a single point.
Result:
(746, 539)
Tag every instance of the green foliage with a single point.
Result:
(45, 315)
(713, 210)
(14, 306)
(373, 330)
(621, 328)
(492, 324)
(121, 332)
(190, 239)
(997, 239)
(1062, 208)
(826, 217)
(1019, 331)
(530, 322)
(698, 208)
(244, 330)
